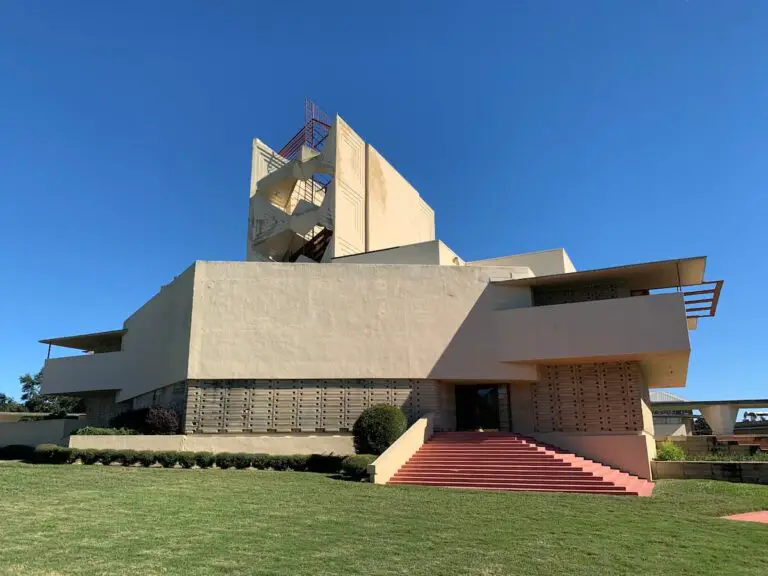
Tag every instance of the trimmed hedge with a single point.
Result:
(357, 466)
(95, 431)
(16, 452)
(377, 428)
(53, 454)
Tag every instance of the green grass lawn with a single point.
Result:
(112, 520)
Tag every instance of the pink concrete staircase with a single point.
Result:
(504, 461)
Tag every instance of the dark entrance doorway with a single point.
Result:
(477, 407)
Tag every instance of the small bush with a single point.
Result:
(357, 466)
(186, 459)
(261, 461)
(225, 460)
(146, 458)
(108, 456)
(16, 452)
(154, 420)
(95, 431)
(88, 456)
(167, 459)
(324, 463)
(128, 457)
(51, 454)
(377, 428)
(204, 459)
(242, 461)
(669, 451)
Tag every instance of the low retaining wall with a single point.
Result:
(752, 472)
(274, 444)
(629, 452)
(393, 458)
(36, 432)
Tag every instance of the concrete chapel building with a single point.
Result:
(346, 299)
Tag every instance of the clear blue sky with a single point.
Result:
(622, 131)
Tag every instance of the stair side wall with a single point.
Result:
(595, 410)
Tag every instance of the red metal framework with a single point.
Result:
(312, 134)
(702, 302)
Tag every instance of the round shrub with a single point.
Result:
(325, 463)
(109, 456)
(146, 458)
(128, 457)
(51, 454)
(261, 461)
(242, 461)
(357, 466)
(167, 459)
(16, 452)
(204, 459)
(225, 460)
(377, 428)
(89, 456)
(187, 459)
(670, 451)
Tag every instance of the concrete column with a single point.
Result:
(720, 417)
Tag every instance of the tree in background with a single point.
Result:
(700, 427)
(34, 401)
(8, 404)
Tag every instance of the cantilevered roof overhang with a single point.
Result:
(644, 276)
(684, 274)
(89, 342)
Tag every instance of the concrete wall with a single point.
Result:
(154, 350)
(84, 373)
(625, 452)
(421, 253)
(38, 432)
(662, 430)
(293, 321)
(341, 444)
(348, 189)
(432, 252)
(542, 263)
(395, 457)
(396, 213)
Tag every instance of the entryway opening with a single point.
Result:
(477, 407)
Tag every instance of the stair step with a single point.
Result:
(560, 480)
(506, 472)
(503, 485)
(508, 462)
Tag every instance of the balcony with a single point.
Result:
(86, 373)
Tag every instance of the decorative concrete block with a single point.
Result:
(667, 470)
(730, 471)
(697, 470)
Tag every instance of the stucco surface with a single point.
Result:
(626, 452)
(289, 321)
(37, 432)
(397, 215)
(255, 444)
(395, 457)
(543, 263)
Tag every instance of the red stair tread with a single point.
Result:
(508, 462)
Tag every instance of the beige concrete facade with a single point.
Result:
(347, 299)
(36, 432)
(277, 444)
